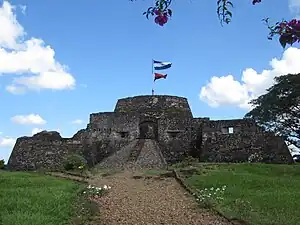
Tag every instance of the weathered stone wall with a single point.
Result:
(167, 121)
(175, 135)
(43, 150)
(237, 140)
(168, 116)
(114, 126)
(154, 103)
(241, 147)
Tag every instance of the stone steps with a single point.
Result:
(135, 152)
(138, 154)
(151, 156)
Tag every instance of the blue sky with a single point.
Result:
(61, 61)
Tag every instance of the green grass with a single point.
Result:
(259, 194)
(35, 199)
(154, 172)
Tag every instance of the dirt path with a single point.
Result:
(150, 202)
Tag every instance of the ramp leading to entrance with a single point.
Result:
(139, 154)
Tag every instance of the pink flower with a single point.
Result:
(161, 19)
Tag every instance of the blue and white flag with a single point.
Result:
(158, 65)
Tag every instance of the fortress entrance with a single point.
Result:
(148, 130)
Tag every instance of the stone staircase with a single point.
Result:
(151, 156)
(135, 152)
(119, 158)
(138, 154)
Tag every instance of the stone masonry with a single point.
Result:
(151, 131)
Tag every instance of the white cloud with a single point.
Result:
(11, 30)
(77, 121)
(31, 59)
(36, 130)
(294, 6)
(7, 142)
(226, 90)
(15, 90)
(28, 119)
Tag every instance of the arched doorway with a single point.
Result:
(148, 130)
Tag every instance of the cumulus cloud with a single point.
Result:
(294, 6)
(7, 142)
(227, 90)
(28, 119)
(36, 130)
(77, 121)
(31, 59)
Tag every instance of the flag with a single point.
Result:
(158, 65)
(159, 76)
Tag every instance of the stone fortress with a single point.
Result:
(151, 131)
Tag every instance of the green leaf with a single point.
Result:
(228, 13)
(282, 41)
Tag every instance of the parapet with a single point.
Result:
(157, 103)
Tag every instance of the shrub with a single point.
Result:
(2, 164)
(74, 161)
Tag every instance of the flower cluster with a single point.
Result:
(96, 192)
(288, 31)
(162, 17)
(210, 196)
(161, 11)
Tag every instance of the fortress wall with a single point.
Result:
(30, 153)
(239, 147)
(153, 103)
(238, 125)
(175, 135)
(114, 126)
(170, 120)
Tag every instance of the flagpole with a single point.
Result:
(152, 78)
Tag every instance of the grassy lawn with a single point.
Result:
(35, 199)
(259, 194)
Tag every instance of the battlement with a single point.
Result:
(156, 103)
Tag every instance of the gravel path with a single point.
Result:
(150, 202)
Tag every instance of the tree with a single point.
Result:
(279, 109)
(288, 31)
(2, 164)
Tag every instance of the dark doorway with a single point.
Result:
(148, 130)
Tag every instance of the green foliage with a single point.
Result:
(260, 194)
(279, 109)
(288, 31)
(74, 162)
(2, 164)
